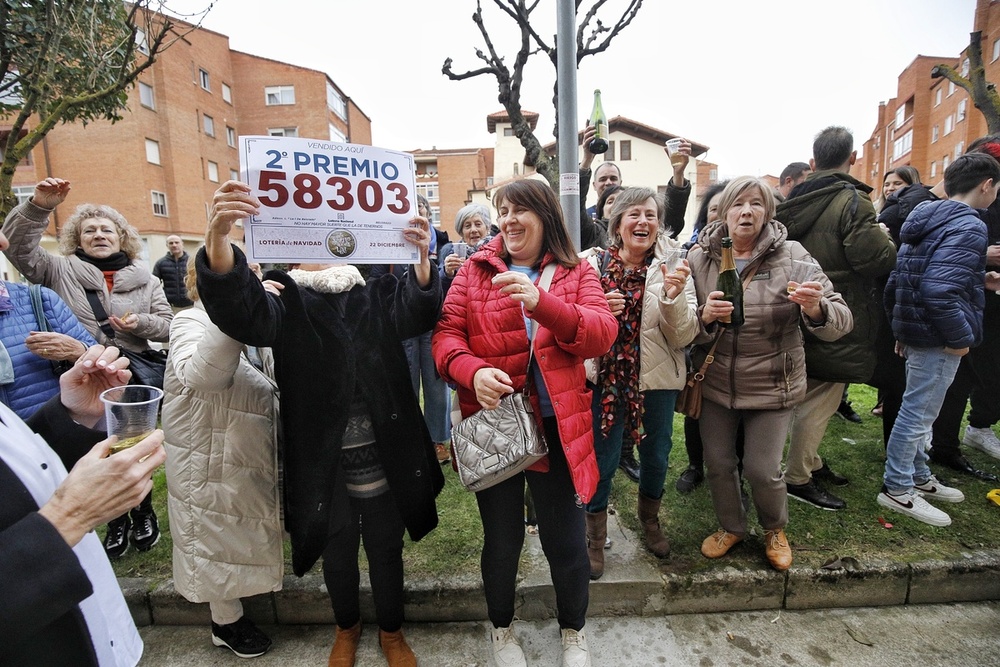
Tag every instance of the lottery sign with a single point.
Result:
(323, 201)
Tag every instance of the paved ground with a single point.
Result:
(954, 635)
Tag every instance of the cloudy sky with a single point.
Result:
(754, 80)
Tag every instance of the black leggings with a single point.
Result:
(560, 529)
(378, 522)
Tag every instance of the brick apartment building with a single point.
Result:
(930, 122)
(160, 165)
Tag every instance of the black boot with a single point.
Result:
(116, 539)
(145, 531)
(628, 464)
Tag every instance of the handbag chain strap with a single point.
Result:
(700, 375)
(544, 281)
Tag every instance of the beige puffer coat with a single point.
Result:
(761, 365)
(220, 422)
(667, 325)
(135, 290)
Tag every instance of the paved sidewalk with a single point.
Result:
(632, 586)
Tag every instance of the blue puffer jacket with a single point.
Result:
(34, 382)
(934, 296)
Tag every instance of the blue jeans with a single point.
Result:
(436, 392)
(654, 450)
(929, 372)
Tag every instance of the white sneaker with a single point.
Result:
(983, 439)
(506, 650)
(575, 651)
(915, 506)
(932, 489)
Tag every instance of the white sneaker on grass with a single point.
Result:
(913, 505)
(505, 648)
(983, 439)
(932, 489)
(575, 651)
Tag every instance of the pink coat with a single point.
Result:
(481, 328)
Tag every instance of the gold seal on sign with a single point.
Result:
(341, 243)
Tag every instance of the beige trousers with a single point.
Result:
(809, 420)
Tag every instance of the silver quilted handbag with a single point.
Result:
(492, 445)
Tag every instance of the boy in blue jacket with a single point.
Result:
(935, 300)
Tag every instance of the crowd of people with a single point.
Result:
(314, 401)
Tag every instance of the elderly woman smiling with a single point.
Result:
(759, 373)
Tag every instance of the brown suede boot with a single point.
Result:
(395, 649)
(649, 517)
(345, 646)
(597, 532)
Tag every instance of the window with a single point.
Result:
(900, 116)
(213, 171)
(959, 148)
(960, 115)
(996, 49)
(517, 168)
(951, 88)
(146, 97)
(625, 150)
(23, 193)
(935, 132)
(230, 137)
(208, 124)
(965, 67)
(283, 131)
(234, 175)
(949, 125)
(227, 94)
(713, 175)
(508, 132)
(152, 151)
(937, 98)
(275, 95)
(428, 190)
(903, 145)
(335, 102)
(159, 203)
(609, 155)
(933, 169)
(337, 135)
(945, 162)
(436, 216)
(203, 80)
(142, 45)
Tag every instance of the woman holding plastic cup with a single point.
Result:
(645, 280)
(472, 224)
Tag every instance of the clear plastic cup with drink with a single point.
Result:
(130, 412)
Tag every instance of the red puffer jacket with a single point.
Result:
(481, 328)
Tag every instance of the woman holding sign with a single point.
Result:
(359, 464)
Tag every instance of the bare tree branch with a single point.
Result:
(983, 93)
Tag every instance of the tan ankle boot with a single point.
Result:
(395, 649)
(649, 517)
(345, 646)
(597, 533)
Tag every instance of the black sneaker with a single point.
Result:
(242, 638)
(847, 412)
(116, 539)
(145, 531)
(690, 479)
(827, 475)
(815, 495)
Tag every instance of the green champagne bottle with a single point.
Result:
(729, 283)
(599, 144)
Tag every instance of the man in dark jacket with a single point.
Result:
(831, 214)
(171, 269)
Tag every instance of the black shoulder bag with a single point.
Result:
(147, 366)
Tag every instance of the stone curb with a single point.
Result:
(632, 586)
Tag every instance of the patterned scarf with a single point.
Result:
(619, 376)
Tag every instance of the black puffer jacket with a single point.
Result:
(171, 271)
(900, 204)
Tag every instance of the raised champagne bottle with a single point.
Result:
(730, 285)
(599, 144)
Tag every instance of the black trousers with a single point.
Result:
(378, 523)
(560, 529)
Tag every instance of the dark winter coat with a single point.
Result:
(831, 215)
(172, 271)
(934, 297)
(900, 204)
(326, 346)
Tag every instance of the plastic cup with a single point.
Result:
(460, 249)
(130, 412)
(673, 148)
(802, 272)
(672, 258)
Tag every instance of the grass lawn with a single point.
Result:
(854, 450)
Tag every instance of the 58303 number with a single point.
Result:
(369, 195)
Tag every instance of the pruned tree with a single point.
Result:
(983, 93)
(593, 36)
(73, 61)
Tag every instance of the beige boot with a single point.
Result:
(345, 646)
(649, 517)
(395, 649)
(597, 532)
